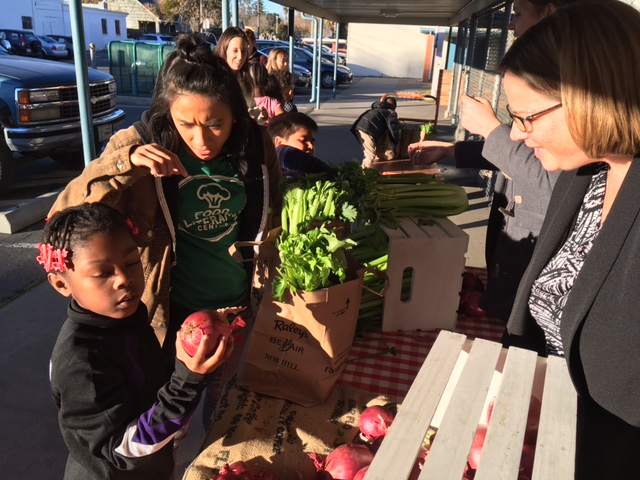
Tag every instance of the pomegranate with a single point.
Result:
(344, 462)
(209, 322)
(375, 422)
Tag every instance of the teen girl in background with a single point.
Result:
(194, 175)
(233, 47)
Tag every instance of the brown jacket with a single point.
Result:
(113, 180)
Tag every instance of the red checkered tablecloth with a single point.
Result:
(371, 369)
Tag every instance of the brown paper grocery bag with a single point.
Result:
(276, 435)
(298, 347)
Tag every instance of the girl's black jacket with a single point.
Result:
(119, 408)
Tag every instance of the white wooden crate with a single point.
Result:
(434, 250)
(451, 392)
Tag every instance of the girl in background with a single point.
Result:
(285, 85)
(233, 47)
(267, 92)
(278, 60)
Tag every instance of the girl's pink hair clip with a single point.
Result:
(52, 259)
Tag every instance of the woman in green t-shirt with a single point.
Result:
(194, 176)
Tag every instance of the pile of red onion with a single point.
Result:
(351, 461)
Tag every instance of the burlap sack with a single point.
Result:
(276, 435)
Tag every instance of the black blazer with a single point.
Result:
(600, 326)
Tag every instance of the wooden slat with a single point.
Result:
(448, 455)
(400, 447)
(503, 445)
(556, 443)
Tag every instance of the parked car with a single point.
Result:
(40, 112)
(51, 48)
(157, 38)
(23, 42)
(327, 53)
(264, 44)
(304, 58)
(66, 39)
(5, 46)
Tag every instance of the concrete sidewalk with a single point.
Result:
(31, 445)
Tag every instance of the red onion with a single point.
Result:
(419, 463)
(476, 447)
(361, 473)
(241, 471)
(375, 422)
(343, 462)
(208, 322)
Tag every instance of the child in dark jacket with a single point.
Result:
(378, 131)
(294, 135)
(119, 407)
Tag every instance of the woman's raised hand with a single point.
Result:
(477, 116)
(160, 161)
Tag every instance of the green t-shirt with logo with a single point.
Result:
(210, 200)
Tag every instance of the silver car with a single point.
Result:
(51, 48)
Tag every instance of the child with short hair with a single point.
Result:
(119, 407)
(294, 135)
(284, 79)
(378, 131)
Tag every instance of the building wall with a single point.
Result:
(93, 18)
(52, 16)
(376, 50)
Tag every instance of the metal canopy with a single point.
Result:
(398, 12)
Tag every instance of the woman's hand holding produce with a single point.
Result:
(160, 161)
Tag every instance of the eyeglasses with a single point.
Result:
(524, 124)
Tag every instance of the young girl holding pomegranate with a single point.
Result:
(195, 175)
(119, 408)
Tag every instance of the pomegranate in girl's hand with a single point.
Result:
(344, 462)
(375, 422)
(208, 322)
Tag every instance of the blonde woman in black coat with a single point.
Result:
(572, 86)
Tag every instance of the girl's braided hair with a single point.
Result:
(75, 226)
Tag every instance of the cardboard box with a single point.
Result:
(432, 251)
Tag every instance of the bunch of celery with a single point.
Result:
(310, 261)
(313, 199)
(311, 258)
(372, 251)
(416, 195)
(386, 198)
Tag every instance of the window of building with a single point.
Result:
(118, 27)
(27, 23)
(104, 26)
